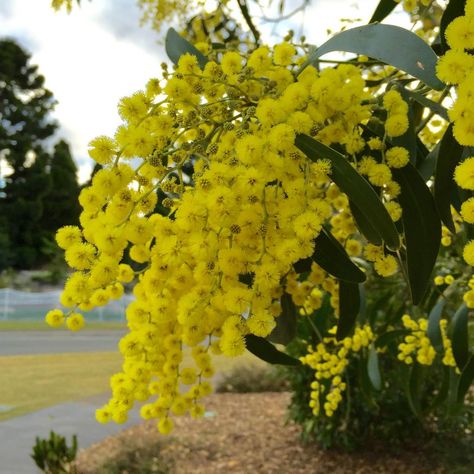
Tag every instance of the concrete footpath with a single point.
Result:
(17, 436)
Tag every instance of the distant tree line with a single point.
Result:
(38, 188)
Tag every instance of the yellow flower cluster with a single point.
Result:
(329, 360)
(411, 5)
(239, 205)
(417, 343)
(457, 67)
(58, 4)
(158, 12)
(417, 346)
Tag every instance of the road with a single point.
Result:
(49, 342)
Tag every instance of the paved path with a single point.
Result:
(48, 342)
(17, 436)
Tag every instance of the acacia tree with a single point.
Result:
(310, 200)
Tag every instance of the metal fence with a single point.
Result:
(23, 305)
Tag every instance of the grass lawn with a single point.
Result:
(40, 325)
(31, 382)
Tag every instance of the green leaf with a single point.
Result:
(460, 336)
(413, 389)
(454, 9)
(373, 368)
(365, 384)
(355, 186)
(285, 329)
(387, 43)
(331, 256)
(390, 336)
(427, 166)
(349, 307)
(267, 352)
(438, 109)
(449, 155)
(384, 8)
(434, 331)
(365, 226)
(443, 390)
(422, 229)
(176, 46)
(466, 379)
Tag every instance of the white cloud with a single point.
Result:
(87, 66)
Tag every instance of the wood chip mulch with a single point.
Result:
(247, 434)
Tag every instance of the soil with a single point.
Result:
(243, 434)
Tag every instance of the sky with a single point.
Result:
(99, 53)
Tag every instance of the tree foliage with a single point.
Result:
(39, 190)
(286, 196)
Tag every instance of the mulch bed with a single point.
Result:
(247, 434)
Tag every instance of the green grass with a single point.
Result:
(32, 382)
(42, 326)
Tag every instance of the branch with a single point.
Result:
(288, 15)
(248, 19)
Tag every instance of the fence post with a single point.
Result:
(5, 304)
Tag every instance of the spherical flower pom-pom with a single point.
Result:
(396, 125)
(386, 266)
(165, 426)
(464, 174)
(397, 157)
(55, 318)
(468, 253)
(467, 211)
(103, 415)
(75, 322)
(231, 63)
(102, 150)
(454, 66)
(68, 235)
(460, 33)
(283, 54)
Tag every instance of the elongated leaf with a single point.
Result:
(434, 331)
(266, 351)
(460, 336)
(422, 228)
(454, 9)
(449, 155)
(443, 390)
(387, 43)
(413, 389)
(384, 8)
(355, 186)
(466, 379)
(427, 167)
(390, 336)
(176, 46)
(285, 329)
(330, 255)
(438, 109)
(365, 384)
(373, 369)
(349, 306)
(365, 226)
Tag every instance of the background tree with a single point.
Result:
(61, 206)
(25, 128)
